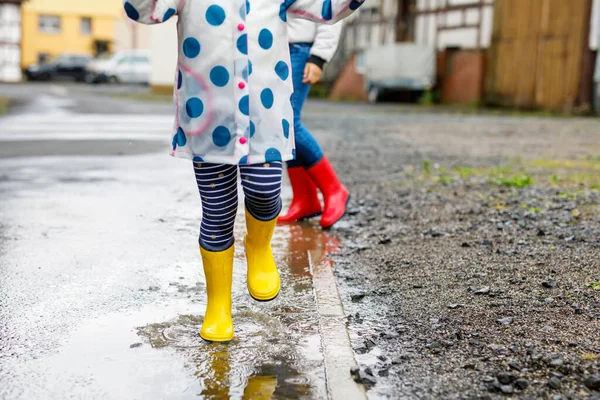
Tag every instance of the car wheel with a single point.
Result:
(374, 95)
(113, 79)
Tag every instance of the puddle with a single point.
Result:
(277, 350)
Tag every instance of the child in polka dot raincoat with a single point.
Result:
(233, 112)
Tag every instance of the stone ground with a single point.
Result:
(471, 258)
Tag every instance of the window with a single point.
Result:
(43, 58)
(49, 24)
(86, 26)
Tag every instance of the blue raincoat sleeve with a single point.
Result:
(150, 11)
(322, 11)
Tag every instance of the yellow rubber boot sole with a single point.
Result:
(218, 269)
(263, 277)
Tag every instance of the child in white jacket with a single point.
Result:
(233, 95)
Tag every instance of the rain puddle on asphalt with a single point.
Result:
(277, 350)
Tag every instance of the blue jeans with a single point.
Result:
(308, 151)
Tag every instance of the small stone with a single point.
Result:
(557, 363)
(515, 365)
(466, 244)
(135, 345)
(455, 306)
(548, 300)
(592, 382)
(355, 298)
(506, 389)
(554, 383)
(483, 290)
(550, 284)
(505, 321)
(390, 215)
(505, 378)
(469, 366)
(417, 286)
(521, 384)
(385, 240)
(548, 328)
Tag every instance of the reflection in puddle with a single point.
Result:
(276, 352)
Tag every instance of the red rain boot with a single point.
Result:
(305, 202)
(334, 193)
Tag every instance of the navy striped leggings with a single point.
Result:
(218, 188)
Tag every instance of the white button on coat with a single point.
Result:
(233, 86)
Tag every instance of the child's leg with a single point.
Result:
(217, 185)
(218, 189)
(308, 151)
(262, 188)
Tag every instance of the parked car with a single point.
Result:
(71, 66)
(398, 67)
(121, 67)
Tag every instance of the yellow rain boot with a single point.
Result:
(218, 268)
(263, 277)
(260, 388)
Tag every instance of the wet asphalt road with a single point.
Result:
(101, 288)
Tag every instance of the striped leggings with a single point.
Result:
(218, 188)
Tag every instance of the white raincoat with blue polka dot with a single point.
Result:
(233, 86)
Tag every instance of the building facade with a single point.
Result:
(51, 27)
(10, 40)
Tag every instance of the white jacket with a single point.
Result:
(233, 87)
(325, 38)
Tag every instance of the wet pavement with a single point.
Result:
(101, 286)
(103, 293)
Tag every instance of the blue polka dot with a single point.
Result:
(242, 44)
(170, 12)
(215, 15)
(286, 128)
(244, 105)
(179, 139)
(327, 11)
(282, 70)
(247, 71)
(265, 39)
(221, 136)
(252, 129)
(283, 12)
(247, 7)
(354, 5)
(198, 159)
(272, 154)
(191, 47)
(219, 76)
(194, 107)
(131, 11)
(243, 12)
(244, 160)
(266, 97)
(179, 80)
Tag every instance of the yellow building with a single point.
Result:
(52, 27)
